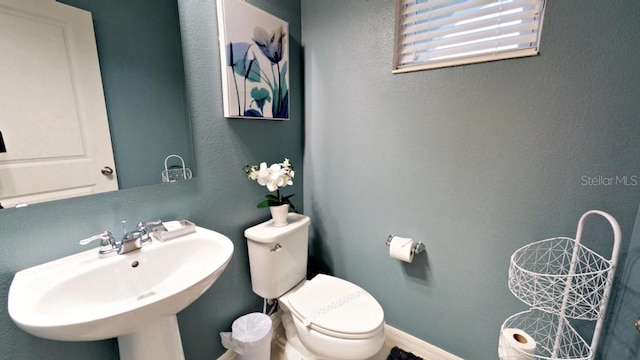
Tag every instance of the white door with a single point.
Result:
(53, 117)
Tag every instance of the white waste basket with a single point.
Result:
(250, 337)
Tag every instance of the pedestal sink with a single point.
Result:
(134, 297)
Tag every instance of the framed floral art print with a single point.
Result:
(254, 55)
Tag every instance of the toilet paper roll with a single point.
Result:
(516, 344)
(401, 248)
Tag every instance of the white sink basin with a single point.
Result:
(84, 297)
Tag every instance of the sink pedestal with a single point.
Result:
(157, 341)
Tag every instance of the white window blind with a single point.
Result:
(439, 33)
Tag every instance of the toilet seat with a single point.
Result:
(337, 308)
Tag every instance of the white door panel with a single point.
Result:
(53, 116)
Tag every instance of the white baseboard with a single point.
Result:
(393, 337)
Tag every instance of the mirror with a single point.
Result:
(140, 57)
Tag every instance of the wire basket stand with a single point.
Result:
(560, 279)
(175, 174)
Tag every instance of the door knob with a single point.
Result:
(638, 325)
(106, 171)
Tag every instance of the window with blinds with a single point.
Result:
(439, 33)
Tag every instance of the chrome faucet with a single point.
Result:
(131, 240)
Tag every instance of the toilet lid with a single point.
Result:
(336, 306)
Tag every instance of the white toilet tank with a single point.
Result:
(278, 255)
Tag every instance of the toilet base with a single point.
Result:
(293, 348)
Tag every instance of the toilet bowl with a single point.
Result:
(334, 319)
(324, 318)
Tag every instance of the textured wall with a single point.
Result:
(219, 198)
(621, 340)
(475, 161)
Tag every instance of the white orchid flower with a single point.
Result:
(263, 175)
(284, 181)
(271, 186)
(263, 170)
(273, 177)
(275, 171)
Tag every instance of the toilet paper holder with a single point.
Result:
(416, 247)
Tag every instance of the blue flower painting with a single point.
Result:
(255, 61)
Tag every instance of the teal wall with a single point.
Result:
(621, 340)
(220, 198)
(142, 70)
(475, 161)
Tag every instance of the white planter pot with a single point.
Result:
(279, 214)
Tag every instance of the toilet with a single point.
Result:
(324, 318)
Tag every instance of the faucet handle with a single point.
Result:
(144, 224)
(107, 242)
(105, 238)
(142, 229)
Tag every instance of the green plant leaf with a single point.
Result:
(263, 204)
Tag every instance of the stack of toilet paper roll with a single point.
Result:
(401, 248)
(516, 344)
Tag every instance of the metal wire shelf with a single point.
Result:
(542, 273)
(544, 327)
(560, 279)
